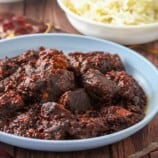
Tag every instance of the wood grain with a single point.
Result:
(10, 149)
(17, 7)
(57, 17)
(32, 9)
(49, 11)
(101, 153)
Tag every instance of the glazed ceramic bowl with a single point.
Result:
(136, 65)
(127, 35)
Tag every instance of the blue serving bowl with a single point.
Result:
(136, 65)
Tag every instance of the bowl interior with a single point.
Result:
(101, 24)
(123, 34)
(136, 65)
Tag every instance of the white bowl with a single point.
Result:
(127, 35)
(136, 65)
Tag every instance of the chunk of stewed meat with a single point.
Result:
(134, 109)
(50, 59)
(76, 101)
(29, 57)
(7, 67)
(129, 89)
(63, 81)
(86, 127)
(54, 129)
(99, 87)
(56, 121)
(53, 110)
(76, 60)
(47, 85)
(11, 82)
(31, 87)
(10, 102)
(119, 118)
(104, 62)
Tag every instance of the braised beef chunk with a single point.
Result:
(47, 85)
(12, 69)
(31, 86)
(119, 118)
(99, 87)
(28, 57)
(12, 101)
(134, 108)
(76, 101)
(56, 121)
(87, 127)
(63, 81)
(99, 60)
(102, 61)
(50, 59)
(7, 67)
(129, 89)
(11, 82)
(47, 95)
(54, 110)
(76, 60)
(56, 129)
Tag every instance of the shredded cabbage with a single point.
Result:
(119, 12)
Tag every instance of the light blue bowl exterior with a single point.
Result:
(141, 69)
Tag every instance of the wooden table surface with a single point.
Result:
(49, 11)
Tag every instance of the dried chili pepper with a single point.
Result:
(12, 25)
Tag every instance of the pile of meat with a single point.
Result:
(47, 95)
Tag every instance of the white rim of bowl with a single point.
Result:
(138, 125)
(66, 10)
